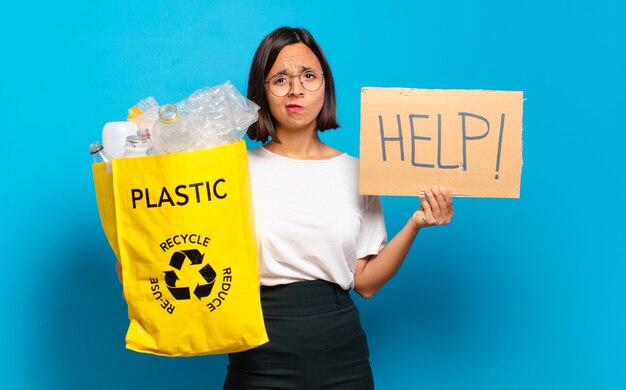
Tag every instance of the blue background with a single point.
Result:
(514, 294)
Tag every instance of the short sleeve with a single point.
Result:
(373, 234)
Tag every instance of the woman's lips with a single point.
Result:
(294, 108)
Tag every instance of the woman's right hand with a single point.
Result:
(436, 208)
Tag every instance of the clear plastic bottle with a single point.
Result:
(170, 133)
(145, 134)
(136, 146)
(99, 155)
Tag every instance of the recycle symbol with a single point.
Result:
(195, 258)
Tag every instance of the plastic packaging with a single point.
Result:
(114, 137)
(145, 113)
(209, 117)
(219, 115)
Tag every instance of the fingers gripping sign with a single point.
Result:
(436, 207)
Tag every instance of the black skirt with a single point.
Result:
(316, 342)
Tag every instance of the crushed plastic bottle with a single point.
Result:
(171, 133)
(219, 115)
(209, 117)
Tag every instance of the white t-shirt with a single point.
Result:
(311, 222)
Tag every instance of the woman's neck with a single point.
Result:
(303, 145)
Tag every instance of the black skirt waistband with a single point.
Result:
(303, 298)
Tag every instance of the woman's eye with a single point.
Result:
(280, 80)
(310, 75)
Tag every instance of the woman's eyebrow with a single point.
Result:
(284, 71)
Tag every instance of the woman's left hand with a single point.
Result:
(436, 208)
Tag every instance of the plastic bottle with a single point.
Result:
(99, 155)
(136, 146)
(145, 134)
(114, 137)
(97, 151)
(170, 134)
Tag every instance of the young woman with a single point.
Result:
(318, 238)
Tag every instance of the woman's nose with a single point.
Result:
(296, 86)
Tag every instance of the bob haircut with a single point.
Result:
(264, 59)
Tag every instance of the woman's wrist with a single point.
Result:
(414, 223)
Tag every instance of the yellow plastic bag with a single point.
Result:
(182, 226)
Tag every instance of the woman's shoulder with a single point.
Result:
(339, 155)
(329, 152)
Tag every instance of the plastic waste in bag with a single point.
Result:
(172, 133)
(136, 146)
(114, 137)
(99, 155)
(145, 113)
(209, 117)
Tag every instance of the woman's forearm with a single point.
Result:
(373, 272)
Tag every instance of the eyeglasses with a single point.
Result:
(311, 80)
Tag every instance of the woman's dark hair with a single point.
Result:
(263, 61)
